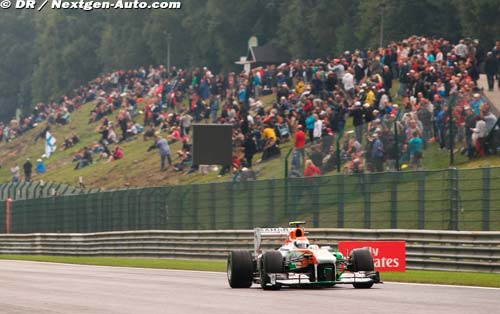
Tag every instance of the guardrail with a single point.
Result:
(432, 250)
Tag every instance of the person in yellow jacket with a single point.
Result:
(268, 133)
(299, 87)
(370, 97)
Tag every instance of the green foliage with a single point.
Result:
(17, 62)
(46, 55)
(66, 43)
(479, 18)
(122, 44)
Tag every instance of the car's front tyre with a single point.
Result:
(240, 269)
(271, 262)
(362, 260)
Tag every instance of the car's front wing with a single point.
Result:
(297, 280)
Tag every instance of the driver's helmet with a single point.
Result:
(301, 244)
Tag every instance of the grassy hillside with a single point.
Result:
(141, 168)
(138, 168)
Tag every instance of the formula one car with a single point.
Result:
(297, 263)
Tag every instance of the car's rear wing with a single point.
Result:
(269, 233)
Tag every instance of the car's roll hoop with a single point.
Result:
(290, 234)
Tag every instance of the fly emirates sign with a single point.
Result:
(387, 255)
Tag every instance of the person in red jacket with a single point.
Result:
(117, 153)
(300, 141)
(311, 169)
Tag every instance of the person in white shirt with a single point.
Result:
(479, 134)
(348, 81)
(461, 50)
(338, 68)
(439, 56)
(318, 128)
(15, 173)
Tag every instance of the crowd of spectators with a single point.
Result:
(315, 102)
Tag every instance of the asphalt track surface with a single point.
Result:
(28, 287)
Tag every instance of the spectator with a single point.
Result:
(164, 148)
(185, 121)
(318, 128)
(311, 170)
(476, 103)
(357, 120)
(491, 67)
(416, 151)
(86, 158)
(317, 156)
(300, 142)
(117, 154)
(424, 114)
(250, 149)
(40, 166)
(348, 81)
(271, 148)
(75, 139)
(479, 133)
(14, 170)
(310, 122)
(327, 141)
(28, 168)
(469, 124)
(185, 159)
(377, 153)
(316, 94)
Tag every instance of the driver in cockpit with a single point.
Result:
(301, 244)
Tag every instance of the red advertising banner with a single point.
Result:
(388, 256)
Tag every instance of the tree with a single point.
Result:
(122, 44)
(67, 43)
(17, 36)
(47, 54)
(480, 19)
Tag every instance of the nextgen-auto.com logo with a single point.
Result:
(87, 5)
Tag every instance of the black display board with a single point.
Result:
(212, 144)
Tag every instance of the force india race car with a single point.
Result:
(297, 263)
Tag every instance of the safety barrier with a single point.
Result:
(432, 250)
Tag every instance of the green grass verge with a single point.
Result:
(155, 263)
(445, 278)
(412, 276)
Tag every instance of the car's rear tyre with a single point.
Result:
(271, 262)
(361, 260)
(240, 269)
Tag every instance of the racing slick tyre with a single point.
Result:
(240, 269)
(363, 285)
(362, 260)
(271, 262)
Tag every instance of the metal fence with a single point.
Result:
(37, 189)
(452, 199)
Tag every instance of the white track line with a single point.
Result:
(438, 285)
